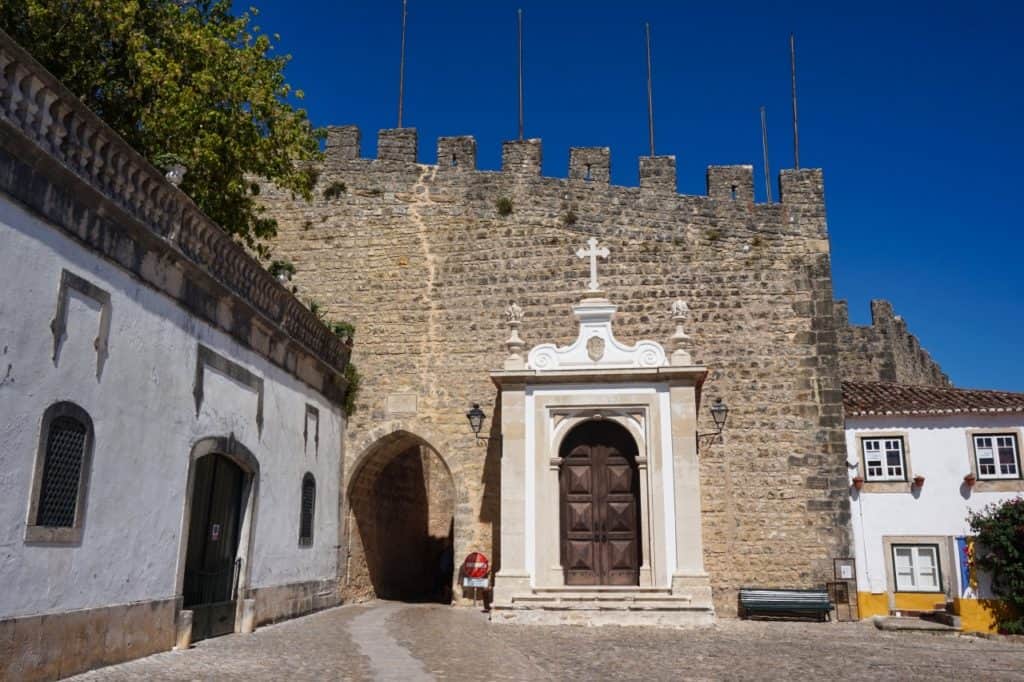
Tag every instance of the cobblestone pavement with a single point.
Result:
(388, 641)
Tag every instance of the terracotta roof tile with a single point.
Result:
(862, 398)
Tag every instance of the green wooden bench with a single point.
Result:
(785, 602)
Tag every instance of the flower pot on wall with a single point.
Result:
(858, 482)
(918, 481)
(970, 480)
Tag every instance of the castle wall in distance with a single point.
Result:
(884, 350)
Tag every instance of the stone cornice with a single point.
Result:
(693, 374)
(63, 162)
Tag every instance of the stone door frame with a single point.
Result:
(239, 454)
(556, 415)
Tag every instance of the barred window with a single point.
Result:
(307, 510)
(62, 473)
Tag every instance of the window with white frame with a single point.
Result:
(884, 459)
(997, 455)
(916, 568)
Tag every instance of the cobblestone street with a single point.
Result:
(391, 641)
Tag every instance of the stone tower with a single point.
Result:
(423, 259)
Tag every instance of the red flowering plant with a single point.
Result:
(999, 551)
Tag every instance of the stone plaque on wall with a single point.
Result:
(401, 403)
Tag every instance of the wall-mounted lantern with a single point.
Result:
(719, 413)
(476, 418)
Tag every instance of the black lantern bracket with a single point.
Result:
(719, 413)
(476, 417)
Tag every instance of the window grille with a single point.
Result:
(306, 512)
(62, 473)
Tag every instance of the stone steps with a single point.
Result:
(634, 600)
(909, 624)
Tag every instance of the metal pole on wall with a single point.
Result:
(401, 64)
(796, 126)
(650, 90)
(764, 149)
(520, 14)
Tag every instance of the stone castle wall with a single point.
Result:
(422, 261)
(884, 350)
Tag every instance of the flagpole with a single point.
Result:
(796, 124)
(401, 64)
(764, 149)
(650, 90)
(520, 15)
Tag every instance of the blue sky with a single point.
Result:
(913, 109)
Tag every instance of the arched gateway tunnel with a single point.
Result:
(401, 505)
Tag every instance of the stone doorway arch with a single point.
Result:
(400, 522)
(240, 458)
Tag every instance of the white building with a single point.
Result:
(170, 423)
(921, 458)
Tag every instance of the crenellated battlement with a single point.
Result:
(885, 350)
(591, 166)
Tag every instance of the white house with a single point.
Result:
(170, 422)
(921, 458)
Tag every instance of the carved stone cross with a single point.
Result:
(593, 253)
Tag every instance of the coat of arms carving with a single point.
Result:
(595, 348)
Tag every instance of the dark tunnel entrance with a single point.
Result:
(401, 523)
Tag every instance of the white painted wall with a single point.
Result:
(939, 450)
(145, 424)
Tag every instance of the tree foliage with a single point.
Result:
(1000, 551)
(182, 81)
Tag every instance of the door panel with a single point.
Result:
(620, 517)
(579, 479)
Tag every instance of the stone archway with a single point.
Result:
(400, 522)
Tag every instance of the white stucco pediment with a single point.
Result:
(596, 346)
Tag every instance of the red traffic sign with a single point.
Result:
(476, 566)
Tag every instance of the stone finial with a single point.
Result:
(513, 314)
(680, 340)
(175, 174)
(515, 345)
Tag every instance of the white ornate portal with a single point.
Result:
(596, 345)
(600, 491)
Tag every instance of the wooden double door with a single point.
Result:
(211, 562)
(600, 506)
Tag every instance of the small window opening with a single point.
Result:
(587, 176)
(454, 161)
(308, 507)
(62, 473)
(733, 192)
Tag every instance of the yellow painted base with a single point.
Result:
(919, 601)
(869, 604)
(976, 615)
